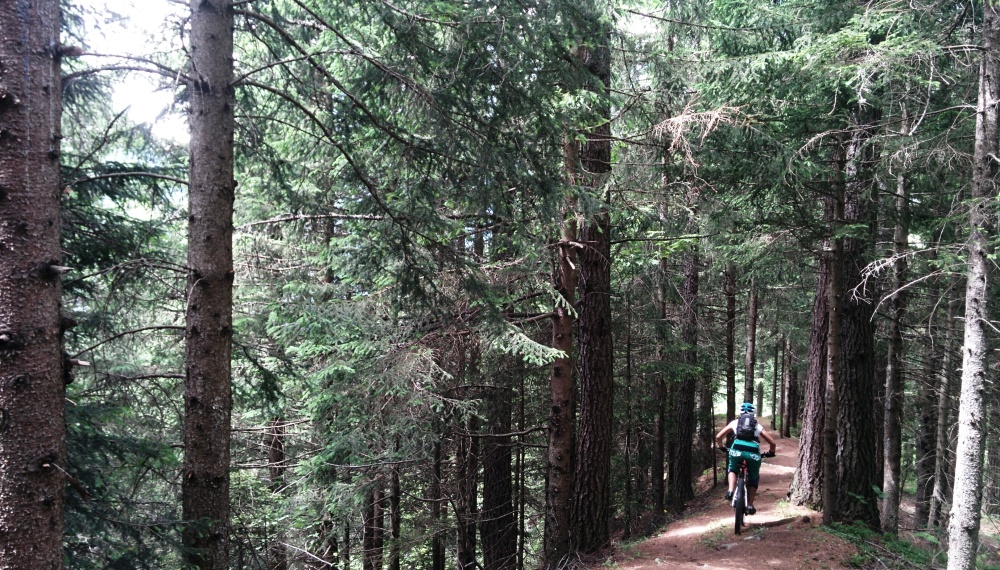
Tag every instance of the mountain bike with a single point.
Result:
(739, 501)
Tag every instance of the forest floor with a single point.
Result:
(778, 536)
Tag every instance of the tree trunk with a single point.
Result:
(786, 390)
(373, 528)
(894, 382)
(941, 492)
(559, 486)
(658, 456)
(32, 385)
(395, 516)
(857, 438)
(681, 477)
(834, 305)
(927, 422)
(751, 357)
(498, 529)
(592, 497)
(730, 342)
(963, 527)
(208, 394)
(276, 474)
(437, 512)
(467, 503)
(774, 387)
(807, 481)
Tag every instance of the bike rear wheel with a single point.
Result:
(740, 503)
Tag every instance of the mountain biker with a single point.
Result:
(748, 432)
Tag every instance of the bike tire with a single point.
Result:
(739, 504)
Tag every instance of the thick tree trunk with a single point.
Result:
(807, 481)
(857, 437)
(751, 355)
(730, 342)
(592, 492)
(498, 529)
(963, 526)
(32, 387)
(894, 382)
(208, 394)
(559, 485)
(681, 477)
(833, 347)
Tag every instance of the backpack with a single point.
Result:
(746, 427)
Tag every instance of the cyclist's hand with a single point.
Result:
(769, 454)
(723, 448)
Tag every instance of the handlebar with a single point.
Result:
(725, 449)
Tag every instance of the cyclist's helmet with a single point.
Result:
(746, 407)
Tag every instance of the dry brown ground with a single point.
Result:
(778, 536)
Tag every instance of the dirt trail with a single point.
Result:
(778, 536)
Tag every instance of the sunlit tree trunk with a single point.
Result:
(208, 394)
(32, 417)
(963, 526)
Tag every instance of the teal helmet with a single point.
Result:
(746, 407)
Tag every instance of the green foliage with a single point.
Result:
(888, 551)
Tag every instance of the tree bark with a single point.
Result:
(395, 516)
(751, 355)
(807, 481)
(857, 438)
(963, 527)
(942, 488)
(437, 512)
(926, 443)
(373, 528)
(467, 503)
(730, 342)
(276, 474)
(32, 387)
(592, 492)
(498, 529)
(208, 394)
(774, 387)
(559, 486)
(831, 414)
(681, 478)
(786, 390)
(658, 455)
(894, 382)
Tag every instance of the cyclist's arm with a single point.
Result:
(767, 437)
(720, 438)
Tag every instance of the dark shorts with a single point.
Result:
(749, 450)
